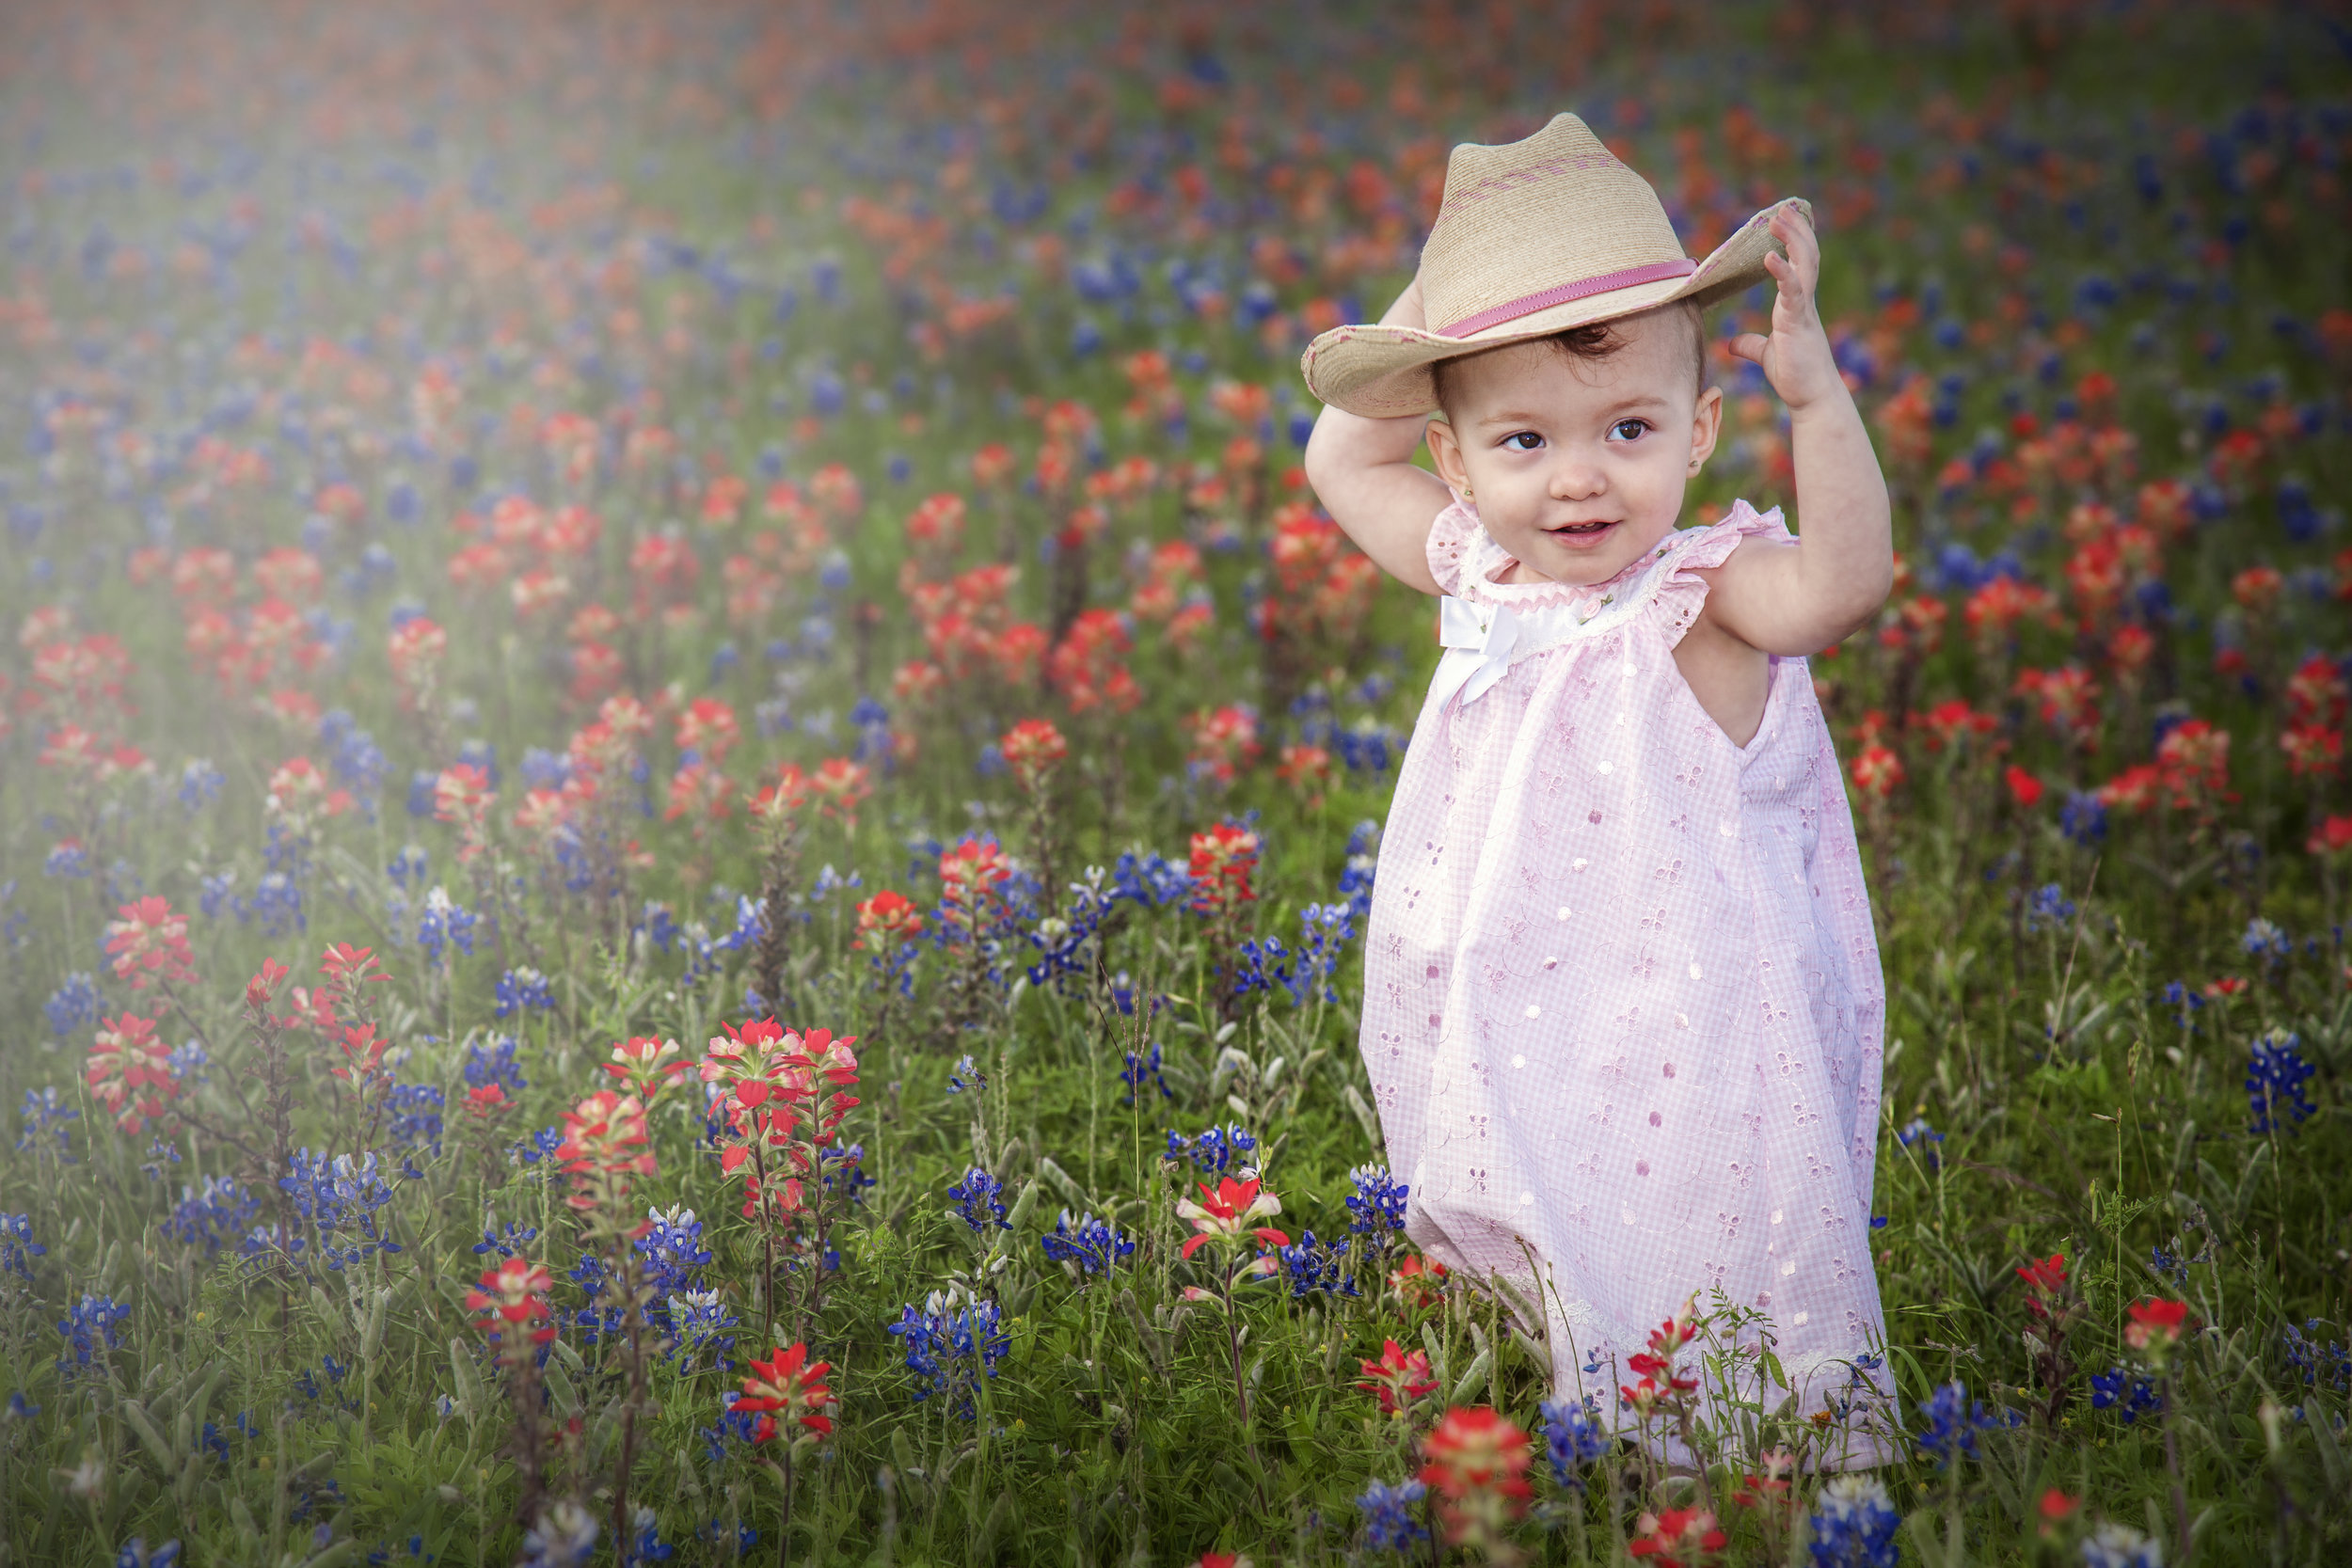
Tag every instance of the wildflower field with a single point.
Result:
(688, 787)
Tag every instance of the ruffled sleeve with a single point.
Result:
(1452, 544)
(1681, 591)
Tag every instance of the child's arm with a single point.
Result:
(1362, 471)
(1801, 598)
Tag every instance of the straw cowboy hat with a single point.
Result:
(1532, 238)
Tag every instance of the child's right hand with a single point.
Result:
(1796, 359)
(1363, 472)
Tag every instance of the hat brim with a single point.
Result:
(1382, 372)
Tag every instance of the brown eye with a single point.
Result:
(1532, 439)
(1629, 430)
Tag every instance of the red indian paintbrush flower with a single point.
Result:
(1678, 1537)
(514, 1295)
(1477, 1463)
(149, 945)
(604, 1144)
(885, 921)
(784, 1390)
(1225, 1213)
(2157, 1326)
(1034, 748)
(1397, 1378)
(130, 1071)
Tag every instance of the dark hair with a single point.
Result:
(1598, 341)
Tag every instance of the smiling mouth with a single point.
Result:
(1578, 531)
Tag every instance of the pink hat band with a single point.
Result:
(1607, 282)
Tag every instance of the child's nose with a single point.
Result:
(1573, 478)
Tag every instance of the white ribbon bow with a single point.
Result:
(1478, 639)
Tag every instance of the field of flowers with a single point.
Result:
(688, 787)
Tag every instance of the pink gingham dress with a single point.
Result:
(1623, 1011)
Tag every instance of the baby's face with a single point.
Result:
(1577, 467)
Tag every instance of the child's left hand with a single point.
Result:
(1796, 357)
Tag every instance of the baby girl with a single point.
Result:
(1623, 1012)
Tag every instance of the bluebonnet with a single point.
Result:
(354, 757)
(188, 1061)
(1309, 1266)
(2274, 1079)
(1143, 877)
(479, 753)
(306, 1385)
(2049, 906)
(277, 904)
(950, 1345)
(978, 1200)
(1368, 746)
(212, 1441)
(199, 785)
(966, 1076)
(216, 895)
(1917, 1131)
(91, 1326)
(1356, 877)
(845, 1166)
(493, 1062)
(67, 861)
(2314, 1358)
(444, 923)
(2113, 1545)
(595, 1322)
(1573, 1439)
(2261, 939)
(523, 987)
(745, 1536)
(2187, 999)
(341, 1198)
(160, 1153)
(830, 882)
(44, 1114)
(136, 1554)
(736, 1425)
(1212, 1151)
(1140, 1067)
(1953, 1422)
(539, 1146)
(1854, 1524)
(1260, 966)
(1388, 1511)
(1061, 938)
(221, 1213)
(416, 1110)
(644, 1543)
(1325, 931)
(1377, 1207)
(2083, 819)
(508, 1243)
(565, 1537)
(545, 770)
(1093, 1245)
(697, 1322)
(2128, 1388)
(17, 1247)
(673, 1250)
(73, 1006)
(21, 1408)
